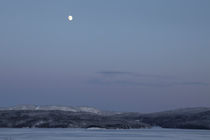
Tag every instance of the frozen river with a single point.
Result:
(103, 134)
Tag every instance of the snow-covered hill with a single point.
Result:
(88, 117)
(53, 107)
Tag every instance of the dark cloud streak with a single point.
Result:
(132, 74)
(135, 80)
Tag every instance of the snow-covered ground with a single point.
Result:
(53, 107)
(103, 134)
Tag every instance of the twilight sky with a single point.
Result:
(123, 55)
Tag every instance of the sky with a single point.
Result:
(119, 55)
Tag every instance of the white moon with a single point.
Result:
(70, 18)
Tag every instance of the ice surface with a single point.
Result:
(103, 134)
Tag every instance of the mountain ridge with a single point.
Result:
(95, 110)
(88, 117)
(53, 107)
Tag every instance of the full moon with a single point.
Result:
(70, 18)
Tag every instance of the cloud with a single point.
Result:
(193, 83)
(131, 74)
(115, 73)
(121, 78)
(145, 84)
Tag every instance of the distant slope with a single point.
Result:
(192, 110)
(86, 117)
(187, 118)
(62, 119)
(53, 107)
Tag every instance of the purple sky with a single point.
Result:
(115, 55)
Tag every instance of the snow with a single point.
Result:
(62, 108)
(102, 134)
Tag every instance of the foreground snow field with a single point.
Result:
(102, 134)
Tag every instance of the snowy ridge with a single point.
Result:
(64, 117)
(52, 107)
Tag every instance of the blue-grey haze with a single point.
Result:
(125, 55)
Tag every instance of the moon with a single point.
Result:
(70, 18)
